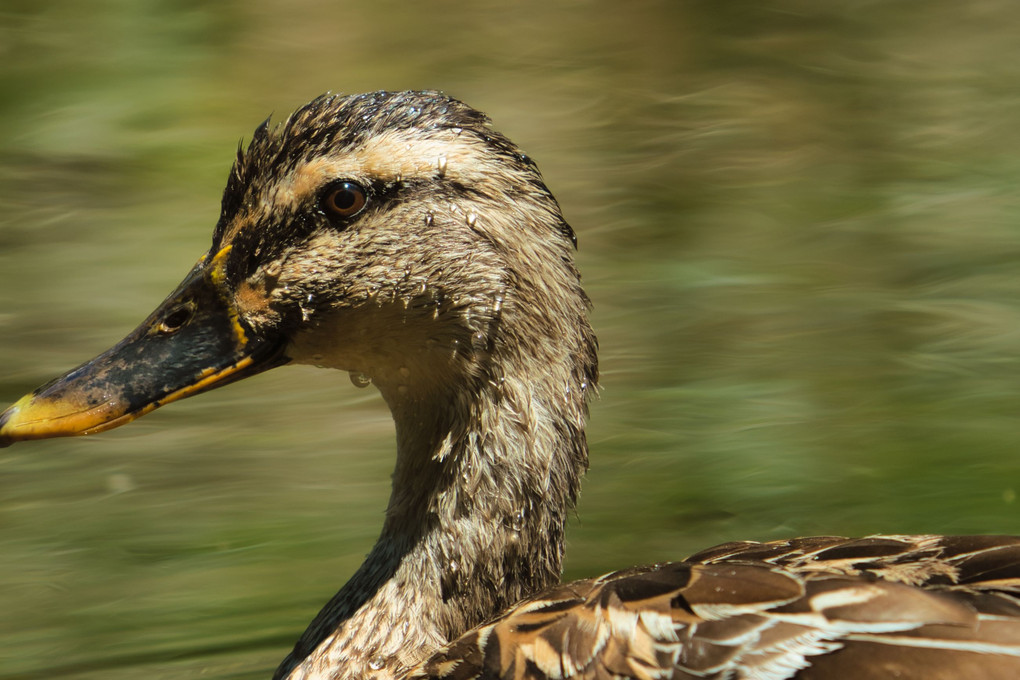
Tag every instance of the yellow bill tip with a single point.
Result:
(32, 417)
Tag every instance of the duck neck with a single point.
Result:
(487, 471)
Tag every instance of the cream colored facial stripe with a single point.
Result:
(389, 157)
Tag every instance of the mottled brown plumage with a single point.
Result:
(398, 237)
(821, 607)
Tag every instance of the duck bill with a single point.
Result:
(193, 342)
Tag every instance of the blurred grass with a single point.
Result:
(798, 223)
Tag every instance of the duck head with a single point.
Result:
(394, 235)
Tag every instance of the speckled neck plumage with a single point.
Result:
(466, 533)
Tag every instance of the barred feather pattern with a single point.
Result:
(820, 608)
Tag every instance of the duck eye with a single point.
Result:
(344, 199)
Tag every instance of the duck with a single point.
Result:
(399, 237)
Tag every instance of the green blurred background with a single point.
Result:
(798, 221)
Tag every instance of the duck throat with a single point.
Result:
(486, 474)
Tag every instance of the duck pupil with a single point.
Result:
(344, 199)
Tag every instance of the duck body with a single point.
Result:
(824, 607)
(397, 236)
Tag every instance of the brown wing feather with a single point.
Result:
(817, 608)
